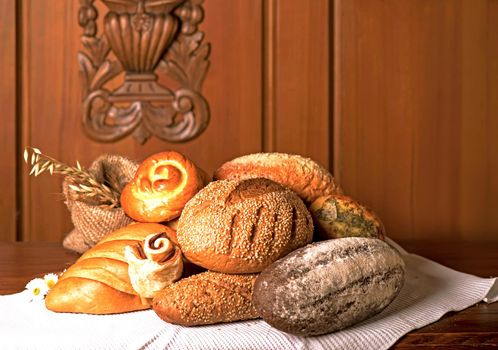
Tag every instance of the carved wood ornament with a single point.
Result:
(146, 36)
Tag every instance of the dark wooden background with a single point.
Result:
(416, 114)
(398, 98)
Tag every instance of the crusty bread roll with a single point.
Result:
(98, 282)
(303, 175)
(242, 226)
(339, 216)
(162, 185)
(207, 298)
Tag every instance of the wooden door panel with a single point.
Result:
(297, 78)
(415, 95)
(52, 101)
(416, 114)
(247, 102)
(8, 86)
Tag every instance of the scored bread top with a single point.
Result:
(329, 285)
(241, 226)
(303, 175)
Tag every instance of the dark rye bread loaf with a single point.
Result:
(207, 298)
(330, 285)
(242, 226)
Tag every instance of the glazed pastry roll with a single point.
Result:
(162, 185)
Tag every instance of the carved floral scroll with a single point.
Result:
(145, 37)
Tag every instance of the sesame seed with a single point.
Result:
(242, 226)
(206, 298)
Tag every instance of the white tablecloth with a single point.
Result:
(430, 291)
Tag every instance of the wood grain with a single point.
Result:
(415, 114)
(52, 101)
(8, 140)
(297, 78)
(474, 327)
(415, 95)
(21, 262)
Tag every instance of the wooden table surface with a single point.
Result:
(475, 327)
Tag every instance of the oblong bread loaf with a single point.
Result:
(340, 216)
(302, 175)
(329, 285)
(207, 298)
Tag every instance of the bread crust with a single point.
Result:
(329, 285)
(162, 185)
(207, 298)
(79, 295)
(242, 226)
(303, 175)
(340, 216)
(98, 282)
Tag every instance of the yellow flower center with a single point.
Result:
(50, 283)
(36, 291)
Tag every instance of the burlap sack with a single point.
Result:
(91, 222)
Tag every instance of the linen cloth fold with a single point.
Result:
(430, 291)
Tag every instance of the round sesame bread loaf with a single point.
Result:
(303, 175)
(341, 216)
(329, 285)
(242, 226)
(207, 298)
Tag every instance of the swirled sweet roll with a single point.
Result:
(154, 264)
(162, 185)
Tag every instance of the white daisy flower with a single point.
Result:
(37, 289)
(50, 280)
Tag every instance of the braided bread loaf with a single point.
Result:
(98, 282)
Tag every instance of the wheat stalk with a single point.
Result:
(83, 184)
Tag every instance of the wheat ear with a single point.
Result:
(83, 184)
